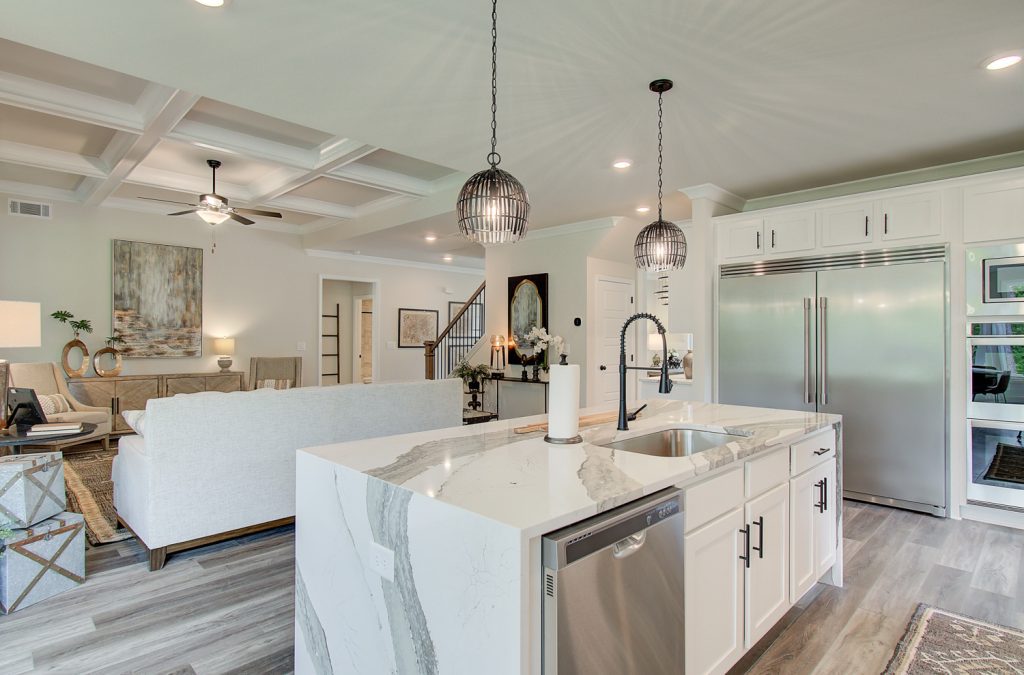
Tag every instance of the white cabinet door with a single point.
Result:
(803, 495)
(825, 520)
(743, 238)
(789, 232)
(713, 591)
(994, 211)
(911, 216)
(767, 574)
(847, 225)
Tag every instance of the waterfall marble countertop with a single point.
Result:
(521, 481)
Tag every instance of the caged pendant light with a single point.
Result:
(661, 245)
(493, 206)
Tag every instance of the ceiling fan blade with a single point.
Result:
(241, 219)
(257, 212)
(181, 213)
(168, 201)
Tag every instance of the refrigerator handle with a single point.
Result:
(823, 348)
(808, 394)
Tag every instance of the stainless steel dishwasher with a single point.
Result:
(613, 591)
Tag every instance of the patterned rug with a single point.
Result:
(938, 641)
(1008, 464)
(91, 493)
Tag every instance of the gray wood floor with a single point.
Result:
(228, 608)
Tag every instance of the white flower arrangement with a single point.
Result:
(539, 338)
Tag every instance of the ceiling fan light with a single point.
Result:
(659, 247)
(213, 217)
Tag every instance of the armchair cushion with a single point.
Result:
(53, 404)
(97, 418)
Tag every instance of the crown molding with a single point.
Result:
(572, 228)
(716, 194)
(395, 262)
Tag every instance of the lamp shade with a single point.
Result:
(19, 324)
(224, 346)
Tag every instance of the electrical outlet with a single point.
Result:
(300, 346)
(382, 561)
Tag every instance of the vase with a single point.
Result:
(97, 360)
(688, 365)
(536, 372)
(83, 367)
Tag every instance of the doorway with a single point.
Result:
(613, 304)
(348, 328)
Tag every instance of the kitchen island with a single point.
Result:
(421, 553)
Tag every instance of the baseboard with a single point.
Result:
(993, 515)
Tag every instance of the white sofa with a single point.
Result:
(214, 465)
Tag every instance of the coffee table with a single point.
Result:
(16, 439)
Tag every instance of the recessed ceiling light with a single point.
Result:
(643, 209)
(211, 3)
(1000, 62)
(430, 237)
(622, 164)
(447, 258)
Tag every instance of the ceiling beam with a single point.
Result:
(53, 160)
(53, 99)
(163, 108)
(383, 179)
(33, 191)
(342, 151)
(312, 206)
(236, 142)
(194, 185)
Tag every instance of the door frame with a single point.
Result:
(357, 335)
(592, 339)
(374, 361)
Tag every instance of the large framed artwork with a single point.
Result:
(157, 299)
(415, 326)
(527, 308)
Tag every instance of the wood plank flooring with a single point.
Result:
(228, 608)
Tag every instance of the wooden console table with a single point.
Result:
(131, 392)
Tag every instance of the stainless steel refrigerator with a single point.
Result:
(862, 335)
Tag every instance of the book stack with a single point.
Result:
(54, 429)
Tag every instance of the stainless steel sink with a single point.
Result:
(674, 442)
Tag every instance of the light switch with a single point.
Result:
(300, 346)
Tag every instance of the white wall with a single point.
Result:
(259, 287)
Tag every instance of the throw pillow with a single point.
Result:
(273, 384)
(136, 419)
(53, 404)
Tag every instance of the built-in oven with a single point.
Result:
(996, 383)
(995, 280)
(996, 461)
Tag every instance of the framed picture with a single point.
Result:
(416, 326)
(527, 308)
(157, 299)
(453, 309)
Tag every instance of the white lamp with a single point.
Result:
(224, 348)
(20, 326)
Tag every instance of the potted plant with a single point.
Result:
(78, 327)
(471, 375)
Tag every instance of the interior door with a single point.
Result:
(362, 340)
(614, 304)
(885, 363)
(766, 330)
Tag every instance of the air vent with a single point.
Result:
(549, 584)
(34, 209)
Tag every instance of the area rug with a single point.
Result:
(91, 493)
(1008, 464)
(937, 641)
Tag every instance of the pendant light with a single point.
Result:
(493, 206)
(661, 245)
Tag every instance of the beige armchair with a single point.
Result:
(275, 368)
(46, 378)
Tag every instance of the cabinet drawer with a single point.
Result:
(764, 473)
(812, 451)
(708, 500)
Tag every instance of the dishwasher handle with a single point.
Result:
(627, 546)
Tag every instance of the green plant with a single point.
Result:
(79, 326)
(114, 340)
(470, 373)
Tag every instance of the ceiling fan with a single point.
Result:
(213, 208)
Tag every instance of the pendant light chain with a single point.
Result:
(494, 158)
(659, 156)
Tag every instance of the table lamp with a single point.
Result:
(20, 326)
(497, 352)
(224, 348)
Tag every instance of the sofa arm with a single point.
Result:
(132, 476)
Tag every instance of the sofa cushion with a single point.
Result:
(97, 418)
(136, 419)
(53, 404)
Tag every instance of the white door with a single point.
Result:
(614, 304)
(912, 216)
(803, 497)
(825, 519)
(743, 238)
(848, 224)
(767, 576)
(362, 339)
(785, 233)
(713, 595)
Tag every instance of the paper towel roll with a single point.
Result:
(564, 402)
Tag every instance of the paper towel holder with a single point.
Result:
(563, 441)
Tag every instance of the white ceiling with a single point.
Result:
(769, 97)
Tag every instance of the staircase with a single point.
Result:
(458, 339)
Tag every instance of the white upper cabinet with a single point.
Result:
(788, 232)
(743, 238)
(847, 224)
(994, 211)
(911, 216)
